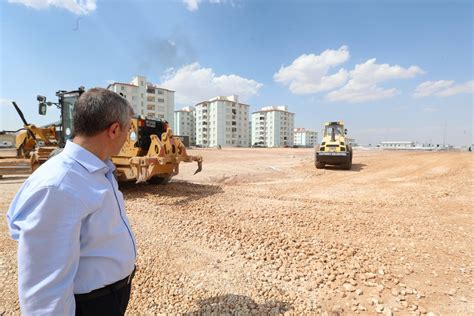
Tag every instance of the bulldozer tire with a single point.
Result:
(348, 164)
(159, 180)
(320, 165)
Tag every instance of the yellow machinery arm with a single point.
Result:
(47, 134)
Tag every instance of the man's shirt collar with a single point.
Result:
(87, 159)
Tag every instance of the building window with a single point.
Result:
(150, 90)
(161, 100)
(160, 92)
(150, 99)
(122, 88)
(151, 107)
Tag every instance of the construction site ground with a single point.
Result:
(262, 231)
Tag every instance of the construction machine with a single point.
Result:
(34, 143)
(334, 148)
(151, 153)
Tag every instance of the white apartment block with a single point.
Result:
(147, 99)
(222, 121)
(305, 137)
(273, 127)
(185, 123)
(250, 133)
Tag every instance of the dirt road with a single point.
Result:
(262, 231)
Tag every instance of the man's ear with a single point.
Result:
(113, 130)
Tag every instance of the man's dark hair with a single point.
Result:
(97, 109)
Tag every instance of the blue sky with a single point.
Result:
(392, 70)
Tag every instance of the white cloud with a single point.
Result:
(443, 88)
(309, 73)
(194, 84)
(193, 5)
(362, 85)
(78, 7)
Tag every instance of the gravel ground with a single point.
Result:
(261, 231)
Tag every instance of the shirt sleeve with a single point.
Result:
(49, 224)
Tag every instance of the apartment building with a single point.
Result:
(185, 123)
(222, 121)
(273, 127)
(250, 133)
(147, 99)
(305, 137)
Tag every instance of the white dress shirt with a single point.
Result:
(74, 236)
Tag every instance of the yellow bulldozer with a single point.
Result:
(334, 148)
(35, 143)
(151, 153)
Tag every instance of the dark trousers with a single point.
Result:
(112, 304)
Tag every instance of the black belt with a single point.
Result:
(106, 289)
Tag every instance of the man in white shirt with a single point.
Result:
(76, 250)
